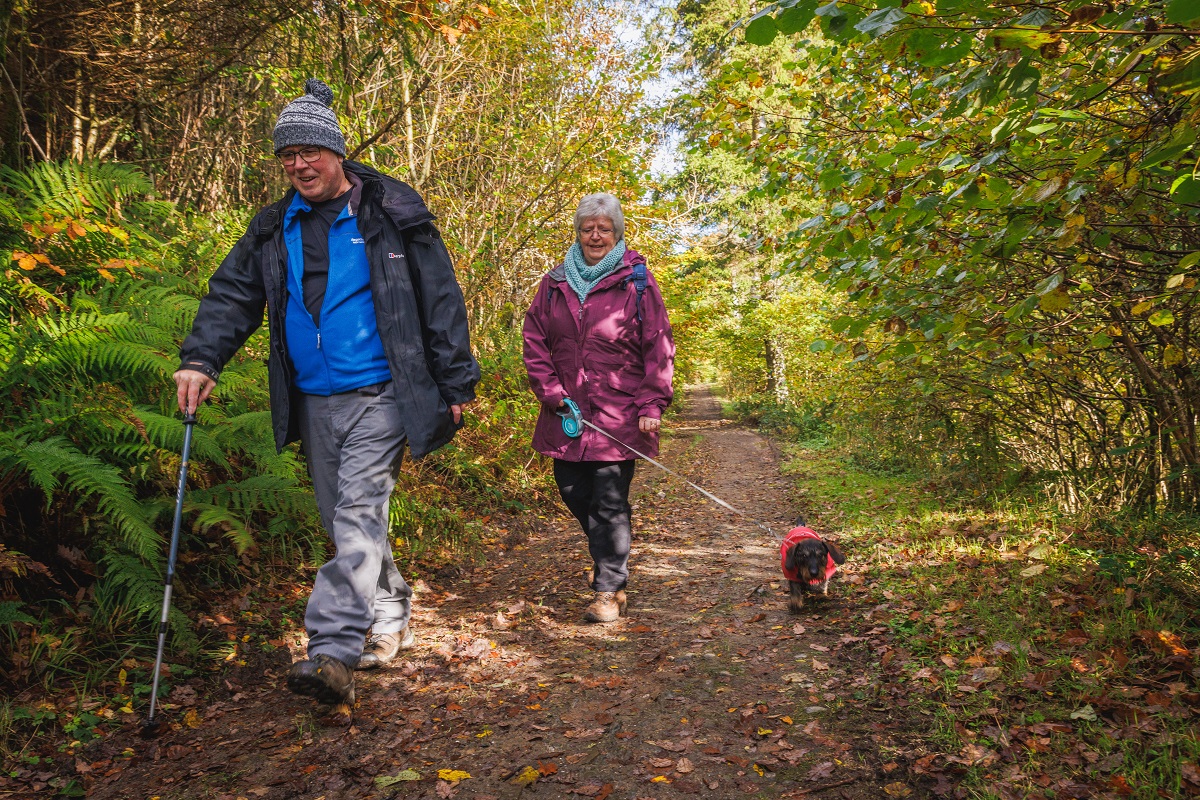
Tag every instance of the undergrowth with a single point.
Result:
(1052, 654)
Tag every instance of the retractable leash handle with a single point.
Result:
(572, 418)
(189, 421)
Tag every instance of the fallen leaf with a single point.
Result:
(897, 789)
(1086, 713)
(384, 781)
(985, 674)
(684, 766)
(660, 779)
(820, 666)
(1076, 637)
(1119, 785)
(1165, 642)
(453, 775)
(547, 767)
(1036, 569)
(822, 770)
(527, 776)
(672, 746)
(973, 754)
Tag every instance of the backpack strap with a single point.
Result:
(639, 283)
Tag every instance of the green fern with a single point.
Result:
(130, 583)
(11, 613)
(75, 189)
(56, 464)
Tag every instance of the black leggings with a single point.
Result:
(597, 493)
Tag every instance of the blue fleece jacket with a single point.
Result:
(346, 352)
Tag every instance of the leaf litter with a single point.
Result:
(706, 686)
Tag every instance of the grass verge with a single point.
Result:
(1040, 655)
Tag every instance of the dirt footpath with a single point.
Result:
(708, 687)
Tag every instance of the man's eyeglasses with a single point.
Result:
(309, 154)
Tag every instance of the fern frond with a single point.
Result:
(236, 529)
(167, 433)
(10, 613)
(129, 582)
(55, 462)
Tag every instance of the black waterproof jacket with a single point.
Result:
(419, 310)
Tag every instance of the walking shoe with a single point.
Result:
(605, 607)
(622, 603)
(382, 648)
(323, 678)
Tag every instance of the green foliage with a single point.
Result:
(89, 447)
(1002, 199)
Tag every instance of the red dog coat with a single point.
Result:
(795, 535)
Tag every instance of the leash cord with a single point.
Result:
(670, 471)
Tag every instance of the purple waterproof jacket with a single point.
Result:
(600, 356)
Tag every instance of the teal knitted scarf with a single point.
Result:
(583, 278)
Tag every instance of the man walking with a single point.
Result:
(368, 349)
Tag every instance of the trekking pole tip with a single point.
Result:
(151, 728)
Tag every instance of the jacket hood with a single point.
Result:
(402, 202)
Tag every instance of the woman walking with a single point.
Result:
(597, 334)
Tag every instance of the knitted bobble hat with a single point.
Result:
(309, 120)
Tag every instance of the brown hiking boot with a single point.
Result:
(324, 678)
(605, 607)
(382, 648)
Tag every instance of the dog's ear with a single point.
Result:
(793, 557)
(836, 552)
(800, 523)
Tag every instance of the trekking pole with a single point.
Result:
(151, 726)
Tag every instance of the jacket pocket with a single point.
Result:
(625, 380)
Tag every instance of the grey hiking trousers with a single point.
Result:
(353, 443)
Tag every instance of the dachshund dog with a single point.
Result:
(808, 563)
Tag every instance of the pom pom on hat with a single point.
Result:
(309, 120)
(319, 90)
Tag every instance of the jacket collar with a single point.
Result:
(401, 202)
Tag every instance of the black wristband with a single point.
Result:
(199, 366)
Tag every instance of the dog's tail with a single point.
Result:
(800, 523)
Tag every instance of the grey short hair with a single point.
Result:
(600, 204)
